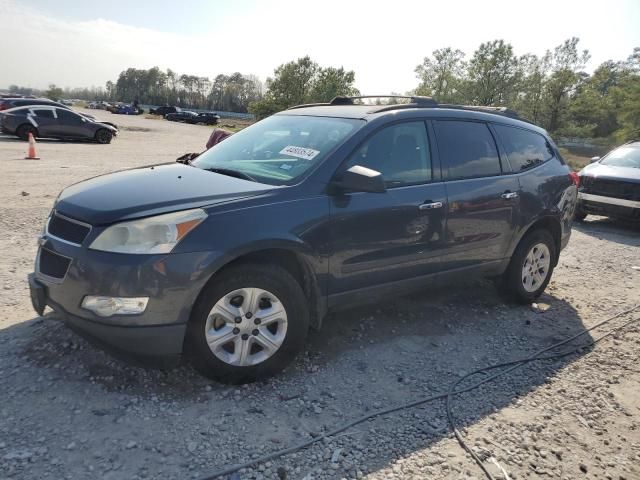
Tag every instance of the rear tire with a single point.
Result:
(23, 131)
(530, 268)
(255, 317)
(104, 136)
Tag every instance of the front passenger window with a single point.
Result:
(399, 152)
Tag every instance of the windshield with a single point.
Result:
(628, 156)
(279, 149)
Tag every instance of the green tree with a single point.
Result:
(566, 64)
(302, 81)
(493, 74)
(441, 75)
(54, 93)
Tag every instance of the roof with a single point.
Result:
(350, 107)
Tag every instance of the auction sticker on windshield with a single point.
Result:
(300, 152)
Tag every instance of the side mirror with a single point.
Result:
(361, 179)
(594, 159)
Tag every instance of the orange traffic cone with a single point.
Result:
(31, 154)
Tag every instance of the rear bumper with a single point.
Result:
(609, 206)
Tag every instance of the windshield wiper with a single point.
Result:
(231, 173)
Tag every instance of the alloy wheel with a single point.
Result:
(246, 327)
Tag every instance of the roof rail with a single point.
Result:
(416, 100)
(305, 105)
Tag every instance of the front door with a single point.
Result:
(69, 125)
(377, 238)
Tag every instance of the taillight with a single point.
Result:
(575, 178)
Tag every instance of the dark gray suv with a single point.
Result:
(232, 257)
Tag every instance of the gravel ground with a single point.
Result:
(68, 410)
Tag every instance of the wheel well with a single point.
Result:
(296, 266)
(553, 227)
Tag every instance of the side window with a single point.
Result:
(524, 149)
(43, 113)
(65, 116)
(467, 149)
(399, 152)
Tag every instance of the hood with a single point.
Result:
(627, 174)
(149, 191)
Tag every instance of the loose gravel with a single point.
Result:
(70, 411)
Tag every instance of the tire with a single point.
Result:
(104, 136)
(23, 131)
(518, 283)
(240, 356)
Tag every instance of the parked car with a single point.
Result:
(182, 116)
(68, 103)
(205, 118)
(610, 185)
(45, 121)
(164, 110)
(126, 109)
(7, 103)
(231, 257)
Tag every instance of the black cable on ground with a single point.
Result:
(447, 396)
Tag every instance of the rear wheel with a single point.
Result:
(104, 136)
(248, 324)
(23, 131)
(530, 269)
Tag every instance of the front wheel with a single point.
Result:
(530, 269)
(104, 136)
(248, 324)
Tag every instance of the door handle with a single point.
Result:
(430, 206)
(509, 195)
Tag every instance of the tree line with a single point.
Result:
(552, 90)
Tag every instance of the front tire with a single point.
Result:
(530, 268)
(104, 136)
(249, 322)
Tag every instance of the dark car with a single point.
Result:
(7, 103)
(54, 122)
(182, 116)
(126, 109)
(231, 258)
(164, 110)
(205, 118)
(610, 186)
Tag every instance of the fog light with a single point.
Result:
(108, 306)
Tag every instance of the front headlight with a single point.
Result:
(151, 235)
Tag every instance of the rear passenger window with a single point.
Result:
(43, 113)
(525, 149)
(467, 149)
(399, 152)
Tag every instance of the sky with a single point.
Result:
(79, 43)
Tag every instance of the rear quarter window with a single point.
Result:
(525, 149)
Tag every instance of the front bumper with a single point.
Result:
(609, 206)
(172, 283)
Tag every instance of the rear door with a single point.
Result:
(483, 200)
(379, 238)
(45, 120)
